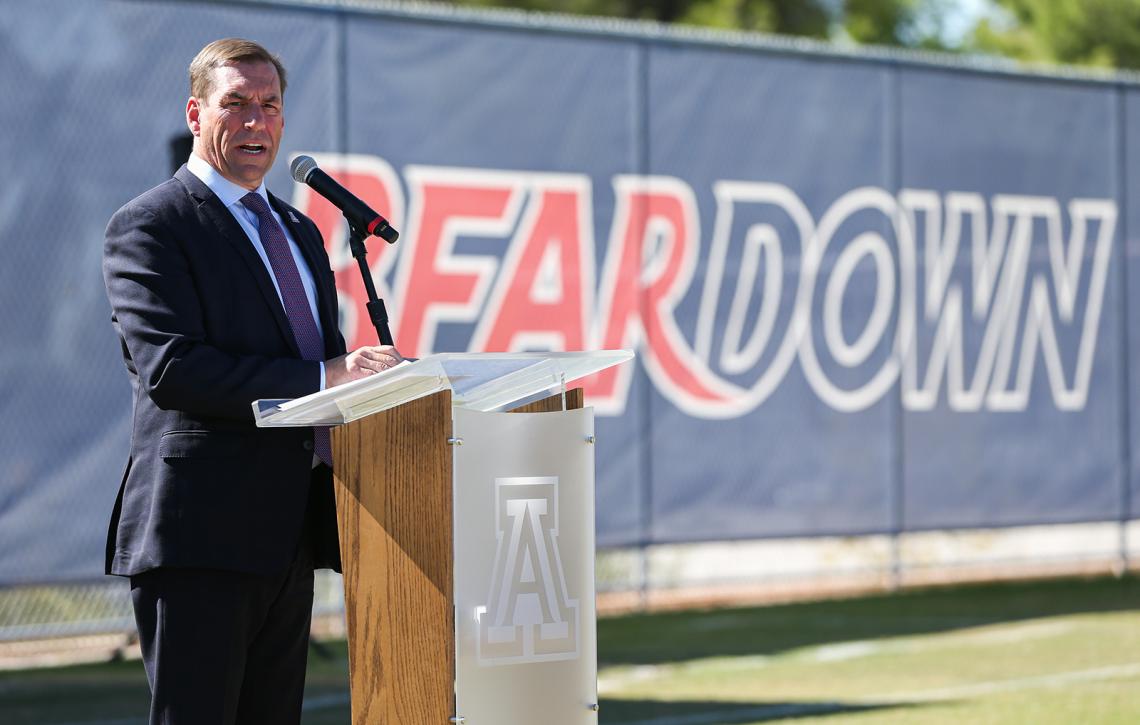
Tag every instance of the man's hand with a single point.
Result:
(360, 363)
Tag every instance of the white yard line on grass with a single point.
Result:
(984, 636)
(975, 689)
(1098, 674)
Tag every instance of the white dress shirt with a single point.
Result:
(230, 195)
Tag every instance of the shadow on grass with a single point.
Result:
(679, 636)
(117, 692)
(693, 712)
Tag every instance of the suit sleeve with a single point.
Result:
(157, 313)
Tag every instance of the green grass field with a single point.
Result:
(1064, 651)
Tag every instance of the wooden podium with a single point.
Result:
(401, 464)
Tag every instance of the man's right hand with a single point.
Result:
(360, 363)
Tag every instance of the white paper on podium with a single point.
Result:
(478, 381)
(526, 640)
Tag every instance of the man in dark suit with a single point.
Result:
(222, 294)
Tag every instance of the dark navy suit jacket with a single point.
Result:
(204, 334)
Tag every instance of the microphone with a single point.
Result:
(304, 169)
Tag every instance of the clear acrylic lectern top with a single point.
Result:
(482, 381)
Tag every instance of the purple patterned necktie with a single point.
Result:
(297, 308)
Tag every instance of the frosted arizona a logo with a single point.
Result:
(529, 616)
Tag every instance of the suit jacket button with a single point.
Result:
(307, 445)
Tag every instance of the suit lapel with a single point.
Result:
(223, 221)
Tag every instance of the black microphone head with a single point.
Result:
(301, 167)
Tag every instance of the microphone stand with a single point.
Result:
(376, 311)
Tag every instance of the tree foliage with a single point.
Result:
(1088, 32)
(1081, 32)
(789, 17)
(884, 22)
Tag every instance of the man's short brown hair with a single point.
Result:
(222, 52)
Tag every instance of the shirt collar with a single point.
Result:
(227, 191)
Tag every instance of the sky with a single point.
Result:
(963, 16)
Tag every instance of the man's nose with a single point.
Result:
(255, 116)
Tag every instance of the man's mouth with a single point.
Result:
(252, 148)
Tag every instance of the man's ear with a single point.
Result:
(192, 119)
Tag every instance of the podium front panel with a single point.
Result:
(526, 638)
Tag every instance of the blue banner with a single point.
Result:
(866, 296)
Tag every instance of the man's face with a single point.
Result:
(237, 129)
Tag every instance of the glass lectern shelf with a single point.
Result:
(484, 381)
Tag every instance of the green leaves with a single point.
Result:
(1103, 33)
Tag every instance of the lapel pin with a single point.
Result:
(293, 218)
